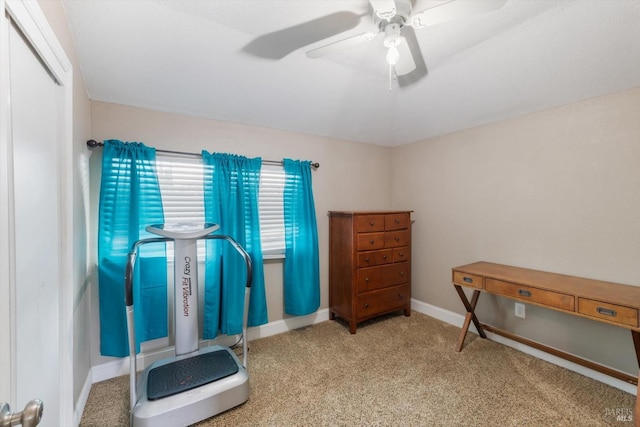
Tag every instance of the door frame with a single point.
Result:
(28, 16)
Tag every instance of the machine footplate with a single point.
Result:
(186, 374)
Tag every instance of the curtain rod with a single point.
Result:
(92, 143)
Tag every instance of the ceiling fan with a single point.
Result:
(394, 22)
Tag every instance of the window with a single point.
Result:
(271, 210)
(181, 186)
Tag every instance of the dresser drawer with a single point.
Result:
(373, 258)
(465, 279)
(384, 300)
(610, 312)
(370, 241)
(394, 239)
(370, 223)
(382, 276)
(529, 294)
(396, 221)
(401, 254)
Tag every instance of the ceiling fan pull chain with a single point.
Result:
(392, 75)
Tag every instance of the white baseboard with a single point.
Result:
(120, 366)
(458, 319)
(82, 400)
(288, 324)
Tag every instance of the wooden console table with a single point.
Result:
(606, 302)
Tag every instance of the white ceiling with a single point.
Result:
(187, 57)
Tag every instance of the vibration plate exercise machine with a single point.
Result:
(195, 384)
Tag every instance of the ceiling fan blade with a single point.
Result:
(405, 64)
(280, 43)
(340, 44)
(413, 50)
(385, 9)
(453, 10)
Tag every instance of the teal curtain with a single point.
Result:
(129, 201)
(301, 263)
(231, 185)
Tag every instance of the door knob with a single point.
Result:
(30, 416)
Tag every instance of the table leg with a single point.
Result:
(637, 418)
(470, 316)
(636, 343)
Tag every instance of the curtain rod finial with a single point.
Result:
(92, 143)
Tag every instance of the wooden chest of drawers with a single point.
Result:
(369, 264)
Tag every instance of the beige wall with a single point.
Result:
(56, 18)
(557, 191)
(352, 175)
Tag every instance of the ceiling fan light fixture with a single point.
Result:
(393, 56)
(392, 36)
(392, 40)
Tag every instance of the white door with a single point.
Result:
(33, 259)
(35, 184)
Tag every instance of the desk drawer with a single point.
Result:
(529, 294)
(465, 279)
(611, 312)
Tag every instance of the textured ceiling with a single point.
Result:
(196, 58)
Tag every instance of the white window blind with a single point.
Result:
(182, 189)
(182, 192)
(271, 209)
(181, 186)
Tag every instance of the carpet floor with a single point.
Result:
(395, 371)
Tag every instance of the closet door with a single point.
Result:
(33, 258)
(37, 258)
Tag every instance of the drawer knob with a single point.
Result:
(366, 259)
(402, 273)
(401, 254)
(397, 221)
(371, 223)
(607, 311)
(400, 296)
(372, 241)
(524, 292)
(366, 305)
(366, 279)
(467, 279)
(397, 239)
(384, 257)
